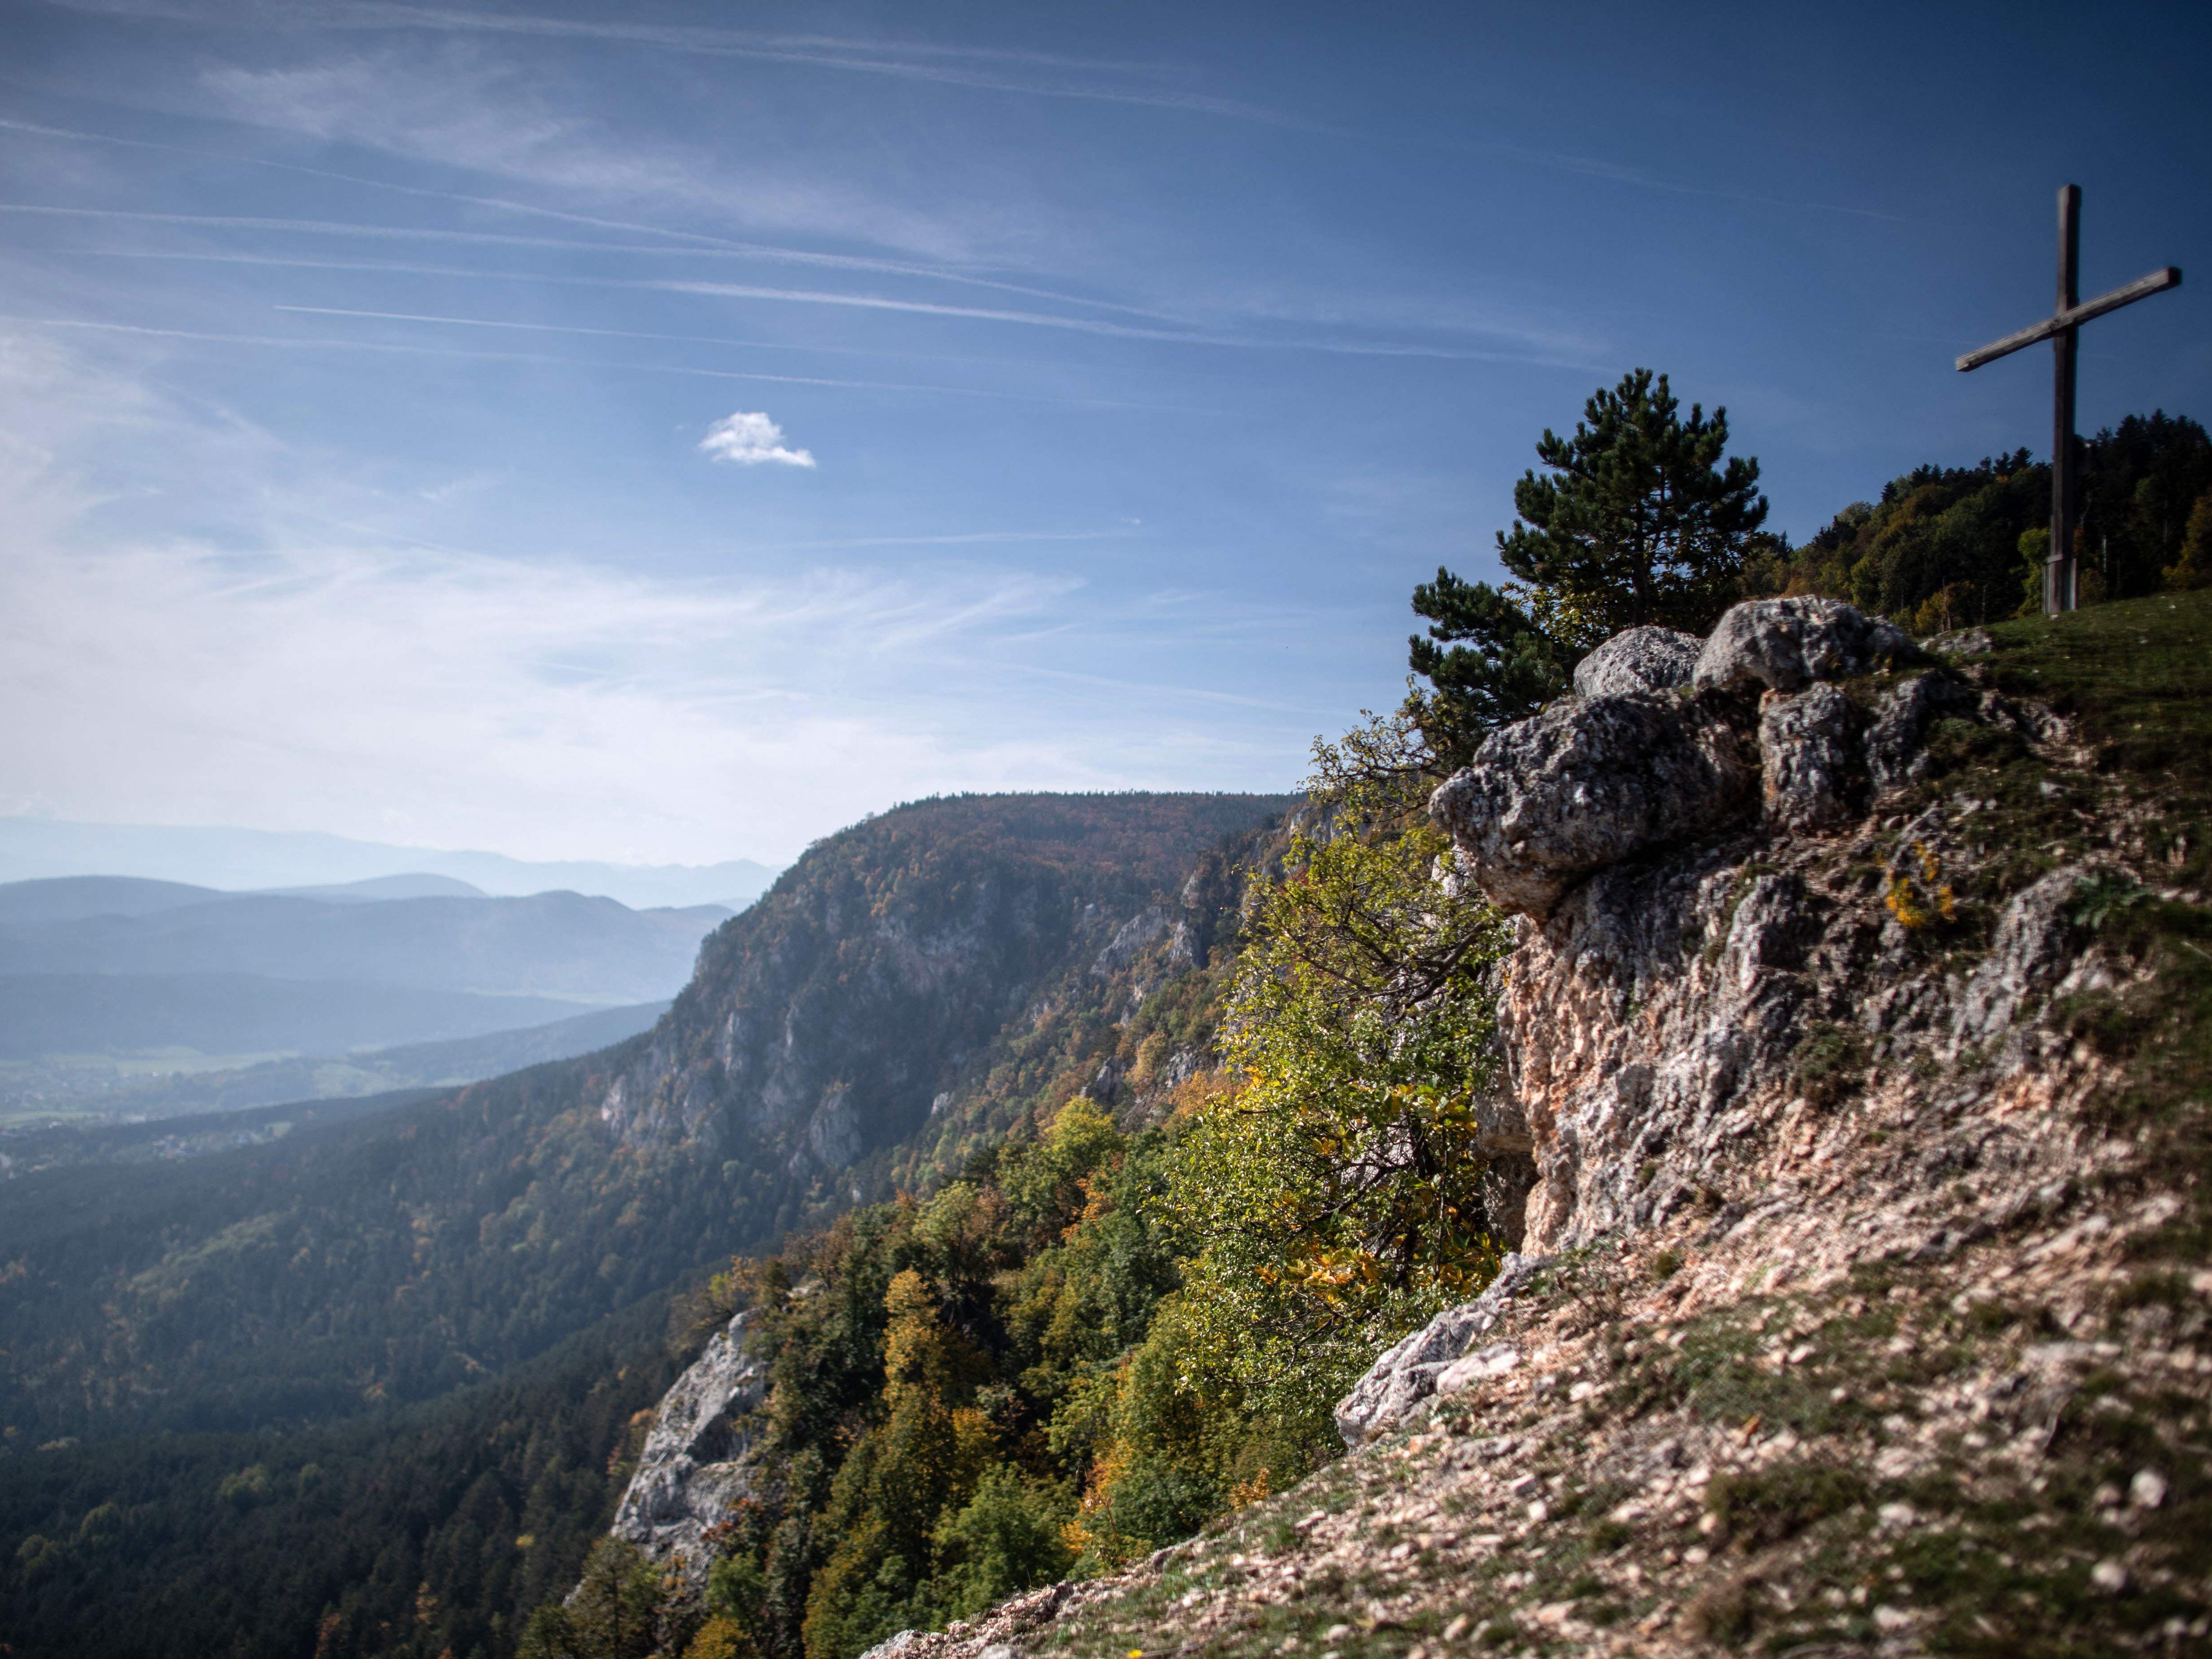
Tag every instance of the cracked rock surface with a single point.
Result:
(1637, 660)
(692, 1471)
(1783, 644)
(1584, 785)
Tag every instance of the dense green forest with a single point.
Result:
(1944, 547)
(1074, 1152)
(432, 1530)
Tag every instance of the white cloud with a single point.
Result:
(750, 439)
(280, 670)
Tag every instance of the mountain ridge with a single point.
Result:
(237, 860)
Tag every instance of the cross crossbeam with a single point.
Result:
(2141, 289)
(2061, 328)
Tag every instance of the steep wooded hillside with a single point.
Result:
(392, 1260)
(923, 980)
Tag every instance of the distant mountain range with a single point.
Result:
(114, 989)
(550, 945)
(261, 860)
(212, 1097)
(67, 898)
(43, 1014)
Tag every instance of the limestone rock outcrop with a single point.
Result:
(693, 1469)
(1807, 758)
(1407, 1372)
(1597, 779)
(1584, 785)
(1894, 742)
(1696, 982)
(1783, 644)
(1637, 660)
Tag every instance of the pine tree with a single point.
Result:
(1636, 521)
(1488, 660)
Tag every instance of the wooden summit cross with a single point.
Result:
(2061, 328)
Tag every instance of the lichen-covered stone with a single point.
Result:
(1785, 644)
(1584, 785)
(1637, 660)
(1807, 762)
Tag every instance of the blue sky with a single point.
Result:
(666, 433)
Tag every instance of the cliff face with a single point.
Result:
(862, 998)
(1681, 1020)
(1862, 1304)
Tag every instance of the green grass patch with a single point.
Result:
(2137, 675)
(1757, 1508)
(1829, 1063)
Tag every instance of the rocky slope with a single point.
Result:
(1860, 1020)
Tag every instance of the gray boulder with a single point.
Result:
(1961, 642)
(2036, 936)
(1586, 784)
(1785, 644)
(1637, 660)
(1805, 760)
(1407, 1373)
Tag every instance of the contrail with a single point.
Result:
(492, 237)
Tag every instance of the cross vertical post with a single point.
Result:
(2063, 328)
(2061, 581)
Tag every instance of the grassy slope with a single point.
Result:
(2137, 679)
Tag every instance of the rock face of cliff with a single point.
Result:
(849, 1007)
(692, 1470)
(1862, 1306)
